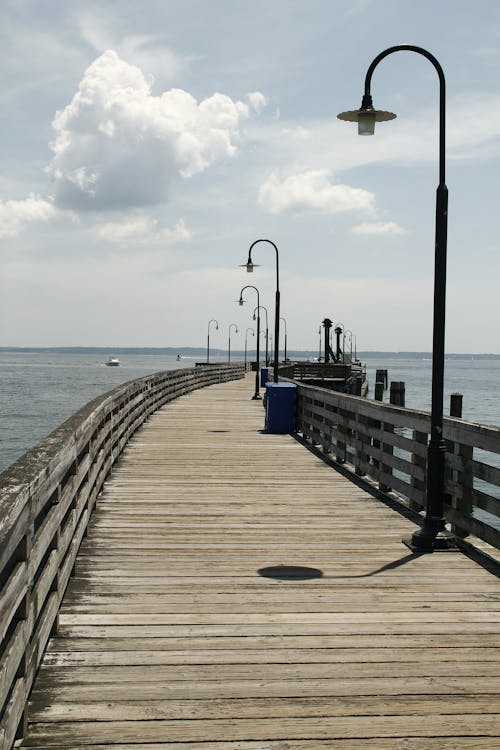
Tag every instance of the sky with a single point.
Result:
(145, 144)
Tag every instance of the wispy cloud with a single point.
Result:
(313, 190)
(141, 230)
(378, 228)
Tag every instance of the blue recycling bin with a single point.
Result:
(280, 407)
(264, 376)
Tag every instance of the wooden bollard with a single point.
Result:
(456, 405)
(381, 376)
(397, 393)
(379, 390)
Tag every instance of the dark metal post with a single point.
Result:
(261, 307)
(249, 266)
(327, 323)
(208, 337)
(284, 351)
(433, 534)
(229, 342)
(256, 395)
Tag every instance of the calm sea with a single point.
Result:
(38, 391)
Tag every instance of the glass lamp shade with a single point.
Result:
(241, 300)
(366, 123)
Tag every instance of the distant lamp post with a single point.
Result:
(346, 334)
(208, 337)
(267, 330)
(256, 396)
(249, 265)
(339, 330)
(284, 321)
(319, 345)
(433, 534)
(246, 337)
(229, 340)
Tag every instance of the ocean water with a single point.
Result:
(38, 391)
(477, 379)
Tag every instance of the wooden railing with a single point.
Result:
(46, 499)
(388, 444)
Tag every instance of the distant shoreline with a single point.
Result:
(200, 352)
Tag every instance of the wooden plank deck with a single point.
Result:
(169, 638)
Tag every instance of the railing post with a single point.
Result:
(387, 449)
(341, 446)
(360, 452)
(420, 438)
(464, 478)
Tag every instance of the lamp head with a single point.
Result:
(249, 265)
(216, 326)
(366, 116)
(241, 300)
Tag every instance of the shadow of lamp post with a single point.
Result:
(249, 265)
(433, 534)
(208, 337)
(257, 353)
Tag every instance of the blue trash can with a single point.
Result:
(264, 376)
(280, 407)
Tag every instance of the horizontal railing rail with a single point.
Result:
(388, 444)
(46, 499)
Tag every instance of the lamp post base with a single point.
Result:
(257, 397)
(432, 537)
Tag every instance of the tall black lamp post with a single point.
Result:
(433, 533)
(249, 265)
(208, 337)
(348, 333)
(229, 340)
(261, 307)
(257, 353)
(284, 351)
(246, 342)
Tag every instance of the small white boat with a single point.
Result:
(112, 362)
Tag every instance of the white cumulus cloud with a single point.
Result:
(142, 230)
(379, 227)
(117, 145)
(313, 190)
(15, 215)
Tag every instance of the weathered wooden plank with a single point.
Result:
(255, 688)
(261, 707)
(435, 726)
(190, 644)
(377, 743)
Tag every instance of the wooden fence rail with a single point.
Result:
(389, 445)
(46, 499)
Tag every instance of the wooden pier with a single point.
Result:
(169, 636)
